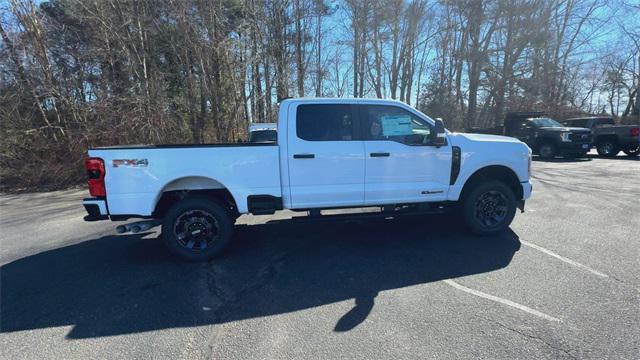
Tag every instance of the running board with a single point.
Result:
(385, 213)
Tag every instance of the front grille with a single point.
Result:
(582, 137)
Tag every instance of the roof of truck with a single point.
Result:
(590, 117)
(344, 100)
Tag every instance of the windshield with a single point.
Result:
(546, 122)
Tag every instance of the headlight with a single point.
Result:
(565, 136)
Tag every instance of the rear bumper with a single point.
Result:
(96, 209)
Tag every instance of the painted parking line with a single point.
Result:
(562, 258)
(501, 301)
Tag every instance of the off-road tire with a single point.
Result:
(197, 229)
(547, 151)
(607, 148)
(476, 204)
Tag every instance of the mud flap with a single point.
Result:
(521, 205)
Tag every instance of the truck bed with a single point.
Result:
(137, 175)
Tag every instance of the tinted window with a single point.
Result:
(575, 123)
(263, 136)
(324, 122)
(546, 122)
(600, 122)
(395, 124)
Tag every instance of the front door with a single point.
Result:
(524, 130)
(326, 161)
(401, 164)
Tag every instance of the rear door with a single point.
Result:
(325, 157)
(401, 164)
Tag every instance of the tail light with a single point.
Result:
(635, 131)
(95, 172)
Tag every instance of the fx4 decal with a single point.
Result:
(130, 162)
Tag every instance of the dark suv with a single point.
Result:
(608, 137)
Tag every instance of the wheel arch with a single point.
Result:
(189, 186)
(500, 173)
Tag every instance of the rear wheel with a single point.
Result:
(607, 148)
(633, 152)
(197, 229)
(489, 207)
(547, 151)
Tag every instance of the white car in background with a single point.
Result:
(263, 132)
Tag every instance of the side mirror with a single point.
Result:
(439, 136)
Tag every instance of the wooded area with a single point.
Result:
(75, 73)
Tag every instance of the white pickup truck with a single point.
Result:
(330, 153)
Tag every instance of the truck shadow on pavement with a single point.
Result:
(128, 284)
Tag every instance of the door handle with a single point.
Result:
(379, 154)
(304, 156)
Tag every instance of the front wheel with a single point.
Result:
(633, 152)
(197, 229)
(547, 151)
(489, 207)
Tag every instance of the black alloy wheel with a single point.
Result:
(607, 148)
(488, 207)
(491, 208)
(197, 229)
(547, 151)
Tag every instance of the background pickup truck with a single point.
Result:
(545, 136)
(330, 153)
(608, 137)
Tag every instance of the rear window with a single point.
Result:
(576, 123)
(324, 122)
(599, 122)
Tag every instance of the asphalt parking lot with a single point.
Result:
(564, 282)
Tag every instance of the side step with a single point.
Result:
(264, 204)
(384, 212)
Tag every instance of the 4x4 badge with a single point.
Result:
(130, 162)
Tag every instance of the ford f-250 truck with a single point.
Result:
(330, 153)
